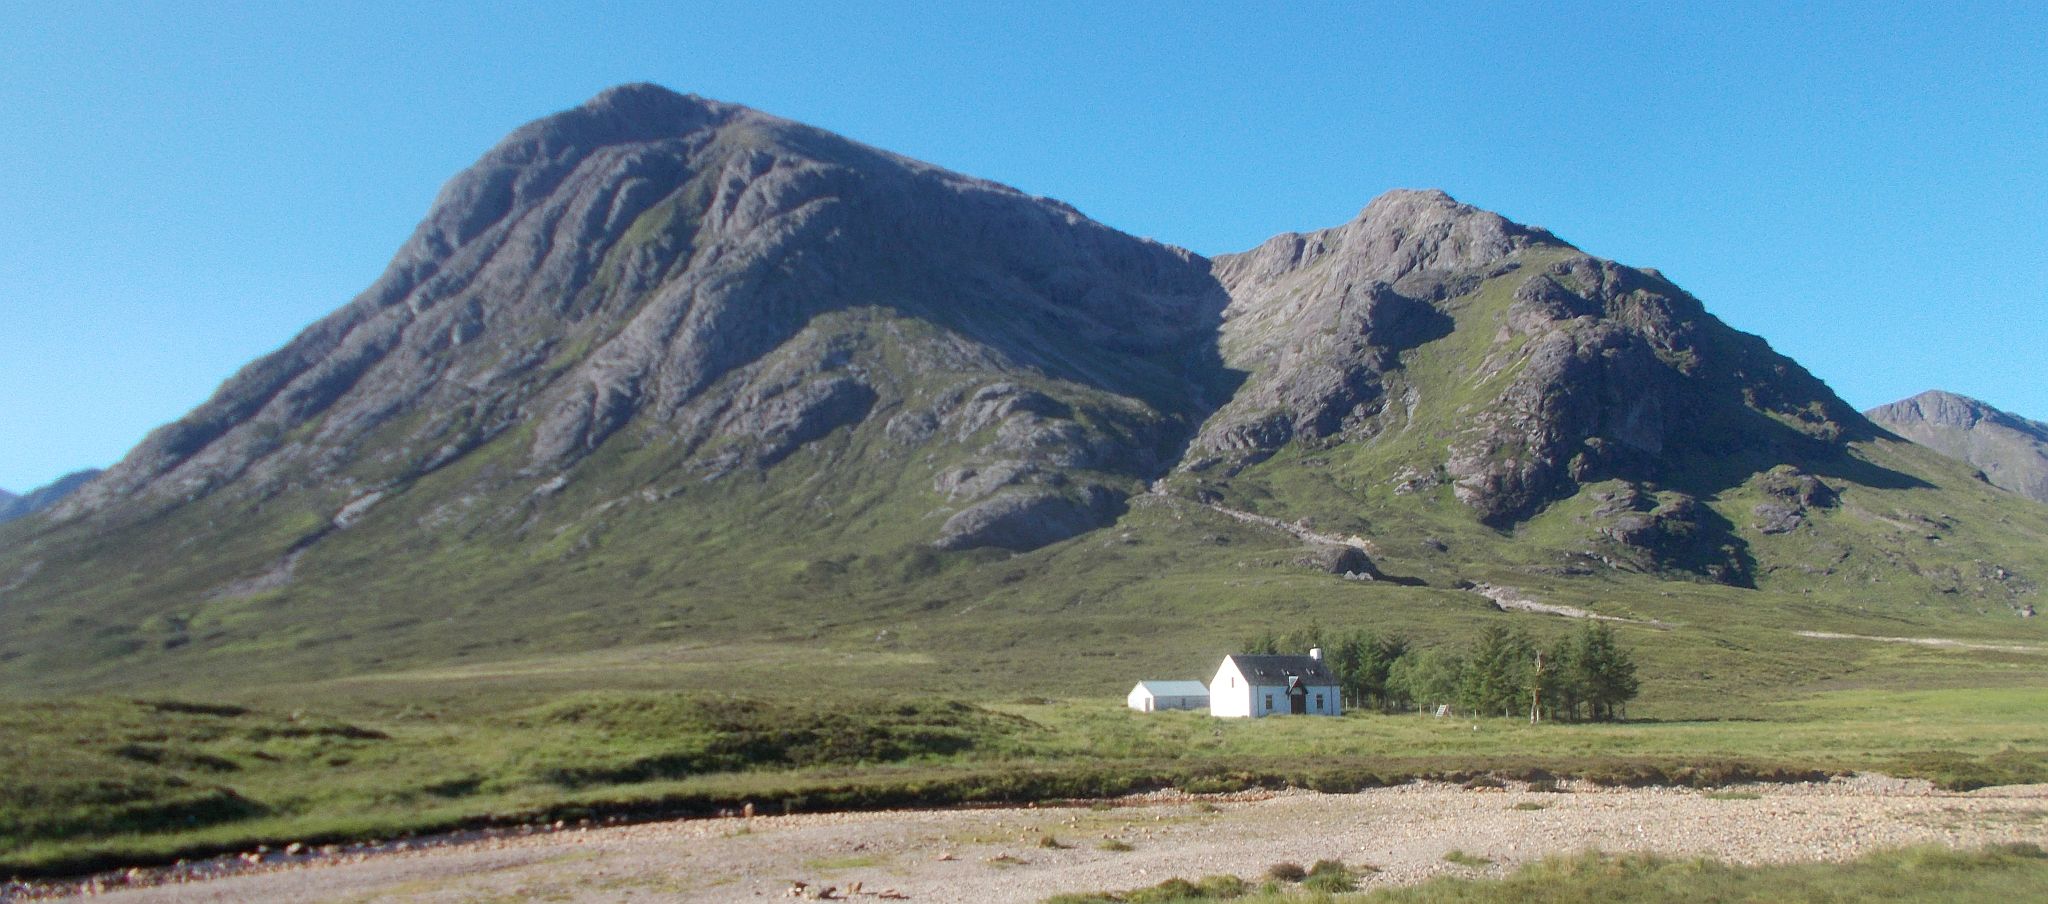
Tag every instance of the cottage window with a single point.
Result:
(1269, 701)
(1319, 703)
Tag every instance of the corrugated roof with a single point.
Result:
(1260, 670)
(1175, 688)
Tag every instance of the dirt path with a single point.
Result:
(1298, 531)
(1509, 599)
(1941, 642)
(991, 856)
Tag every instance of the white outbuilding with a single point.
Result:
(1252, 686)
(1152, 696)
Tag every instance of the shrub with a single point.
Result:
(1167, 891)
(1463, 859)
(1331, 877)
(1287, 872)
(1115, 845)
(1222, 887)
(2026, 850)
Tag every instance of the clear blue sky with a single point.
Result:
(184, 186)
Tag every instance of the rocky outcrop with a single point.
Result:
(1343, 560)
(1029, 519)
(1790, 494)
(1644, 529)
(2012, 451)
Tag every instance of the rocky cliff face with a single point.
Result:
(2012, 451)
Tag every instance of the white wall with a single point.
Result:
(1231, 697)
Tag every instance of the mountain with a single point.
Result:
(660, 370)
(724, 287)
(1568, 371)
(2012, 451)
(36, 500)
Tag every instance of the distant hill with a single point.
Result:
(2011, 450)
(663, 370)
(36, 500)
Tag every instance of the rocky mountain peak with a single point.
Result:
(1401, 232)
(1947, 409)
(1318, 319)
(725, 286)
(2011, 451)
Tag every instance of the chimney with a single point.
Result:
(1316, 654)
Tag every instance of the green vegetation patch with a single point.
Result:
(625, 738)
(1993, 875)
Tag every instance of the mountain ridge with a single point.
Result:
(659, 366)
(13, 506)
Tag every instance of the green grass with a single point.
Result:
(1935, 875)
(106, 781)
(1914, 874)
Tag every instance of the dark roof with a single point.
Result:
(1259, 670)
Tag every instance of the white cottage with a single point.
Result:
(1248, 685)
(1152, 696)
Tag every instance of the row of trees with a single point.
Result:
(1583, 675)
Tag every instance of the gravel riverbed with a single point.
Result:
(1004, 855)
